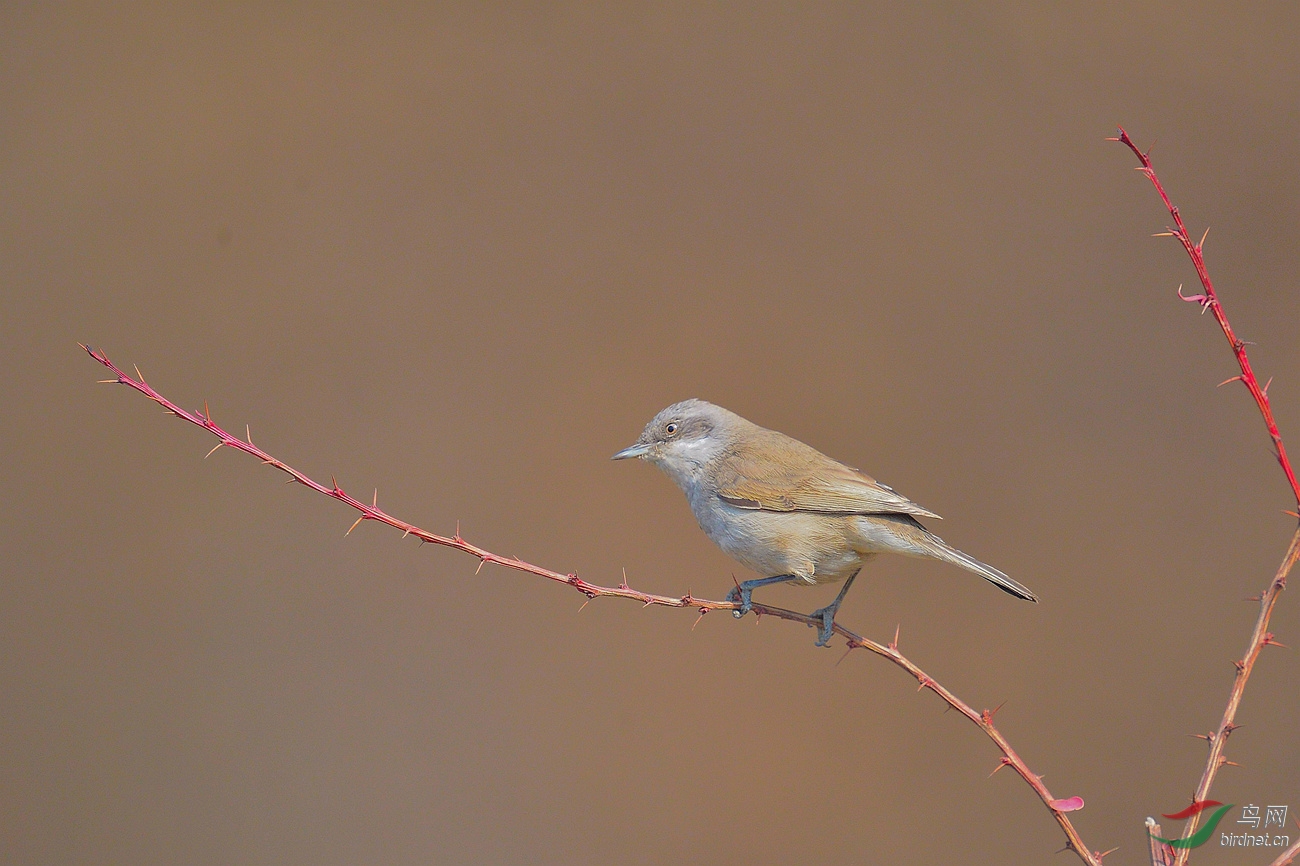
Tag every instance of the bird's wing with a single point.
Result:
(804, 479)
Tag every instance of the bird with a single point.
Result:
(787, 511)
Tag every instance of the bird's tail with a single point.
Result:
(939, 550)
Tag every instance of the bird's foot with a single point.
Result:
(745, 591)
(743, 595)
(827, 616)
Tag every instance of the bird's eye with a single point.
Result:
(671, 428)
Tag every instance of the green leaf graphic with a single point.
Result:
(1202, 835)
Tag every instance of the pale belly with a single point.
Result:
(816, 548)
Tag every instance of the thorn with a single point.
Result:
(924, 681)
(207, 416)
(893, 644)
(584, 604)
(374, 502)
(1203, 237)
(847, 650)
(1266, 384)
(703, 611)
(108, 381)
(481, 561)
(335, 484)
(1230, 727)
(248, 433)
(624, 585)
(1268, 641)
(354, 526)
(406, 533)
(138, 374)
(1240, 665)
(1232, 379)
(1203, 300)
(214, 450)
(1101, 855)
(1207, 737)
(1252, 598)
(1224, 761)
(1163, 235)
(648, 603)
(1002, 762)
(994, 711)
(455, 537)
(1289, 514)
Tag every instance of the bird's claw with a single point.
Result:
(824, 634)
(742, 595)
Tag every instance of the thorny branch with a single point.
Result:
(1290, 853)
(1260, 636)
(372, 511)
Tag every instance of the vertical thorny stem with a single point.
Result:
(1260, 635)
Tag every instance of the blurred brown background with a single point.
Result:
(463, 255)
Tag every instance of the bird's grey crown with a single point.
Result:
(695, 417)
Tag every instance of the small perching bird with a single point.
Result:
(784, 509)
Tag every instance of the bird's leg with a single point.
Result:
(827, 613)
(743, 592)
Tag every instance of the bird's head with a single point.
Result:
(683, 438)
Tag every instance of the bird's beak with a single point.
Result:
(638, 450)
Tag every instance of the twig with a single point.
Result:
(1210, 301)
(1162, 853)
(1260, 636)
(1289, 854)
(984, 720)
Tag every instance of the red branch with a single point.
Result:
(1289, 854)
(1210, 301)
(1260, 636)
(984, 720)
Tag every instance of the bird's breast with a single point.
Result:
(814, 547)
